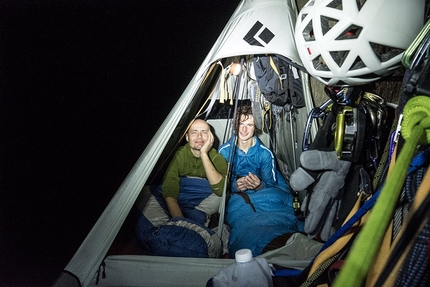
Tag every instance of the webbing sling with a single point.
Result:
(418, 162)
(246, 198)
(417, 217)
(272, 64)
(353, 220)
(415, 130)
(332, 252)
(410, 275)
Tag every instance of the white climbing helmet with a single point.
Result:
(353, 42)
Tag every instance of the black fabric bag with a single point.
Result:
(278, 82)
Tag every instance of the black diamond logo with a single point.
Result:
(266, 35)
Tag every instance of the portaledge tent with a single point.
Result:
(256, 27)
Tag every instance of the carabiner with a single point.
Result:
(417, 43)
(315, 113)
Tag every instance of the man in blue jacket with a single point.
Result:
(260, 207)
(253, 165)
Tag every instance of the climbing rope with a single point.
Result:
(416, 131)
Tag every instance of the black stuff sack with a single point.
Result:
(279, 81)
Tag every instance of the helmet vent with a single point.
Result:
(352, 32)
(327, 23)
(385, 53)
(304, 16)
(360, 4)
(336, 4)
(308, 32)
(320, 64)
(339, 57)
(358, 64)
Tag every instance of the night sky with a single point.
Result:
(84, 85)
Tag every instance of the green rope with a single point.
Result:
(416, 110)
(415, 131)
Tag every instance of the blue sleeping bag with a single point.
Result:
(180, 236)
(273, 217)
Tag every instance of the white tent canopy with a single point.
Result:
(256, 27)
(268, 27)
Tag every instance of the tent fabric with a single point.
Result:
(256, 27)
(267, 26)
(134, 270)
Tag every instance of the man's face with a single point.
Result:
(197, 134)
(246, 127)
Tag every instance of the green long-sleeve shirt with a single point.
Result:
(184, 163)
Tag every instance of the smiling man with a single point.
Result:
(260, 206)
(196, 159)
(253, 164)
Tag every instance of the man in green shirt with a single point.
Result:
(196, 159)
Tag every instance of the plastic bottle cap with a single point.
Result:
(243, 255)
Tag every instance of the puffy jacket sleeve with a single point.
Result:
(268, 167)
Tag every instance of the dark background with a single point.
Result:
(83, 87)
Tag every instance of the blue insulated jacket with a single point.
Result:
(259, 160)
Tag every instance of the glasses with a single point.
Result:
(246, 125)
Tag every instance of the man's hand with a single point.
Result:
(208, 144)
(251, 181)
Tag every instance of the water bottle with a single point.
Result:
(246, 271)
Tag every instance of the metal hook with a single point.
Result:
(315, 113)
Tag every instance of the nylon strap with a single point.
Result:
(332, 249)
(272, 64)
(383, 162)
(320, 270)
(246, 198)
(417, 162)
(378, 179)
(418, 203)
